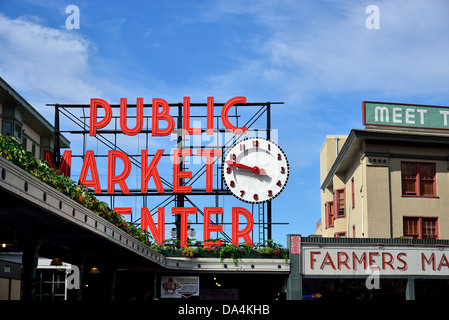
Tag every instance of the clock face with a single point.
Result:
(255, 170)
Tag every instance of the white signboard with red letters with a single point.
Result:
(347, 260)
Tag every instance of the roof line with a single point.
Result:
(339, 159)
(10, 90)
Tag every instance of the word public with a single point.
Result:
(161, 112)
(149, 167)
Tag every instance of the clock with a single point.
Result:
(255, 170)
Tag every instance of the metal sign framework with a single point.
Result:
(79, 120)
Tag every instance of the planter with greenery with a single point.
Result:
(267, 250)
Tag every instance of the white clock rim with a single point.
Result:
(255, 201)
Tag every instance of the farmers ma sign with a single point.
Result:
(405, 115)
(391, 261)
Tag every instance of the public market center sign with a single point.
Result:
(163, 124)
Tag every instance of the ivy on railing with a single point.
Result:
(11, 149)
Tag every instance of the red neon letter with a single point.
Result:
(312, 258)
(163, 115)
(147, 221)
(372, 262)
(186, 119)
(389, 262)
(120, 179)
(443, 262)
(404, 267)
(178, 174)
(209, 153)
(355, 259)
(89, 162)
(327, 261)
(430, 260)
(123, 210)
(208, 227)
(224, 115)
(341, 262)
(94, 125)
(245, 233)
(64, 165)
(123, 117)
(184, 211)
(210, 115)
(151, 170)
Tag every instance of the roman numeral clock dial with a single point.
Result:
(255, 170)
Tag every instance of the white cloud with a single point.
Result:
(306, 51)
(407, 54)
(324, 47)
(48, 64)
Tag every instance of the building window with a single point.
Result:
(12, 128)
(421, 228)
(51, 284)
(329, 208)
(7, 125)
(340, 235)
(17, 130)
(418, 179)
(12, 121)
(339, 203)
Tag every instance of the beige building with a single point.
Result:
(385, 182)
(18, 118)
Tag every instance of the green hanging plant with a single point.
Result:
(231, 251)
(11, 149)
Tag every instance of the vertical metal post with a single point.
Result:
(410, 289)
(57, 139)
(111, 277)
(390, 197)
(179, 197)
(269, 233)
(294, 281)
(155, 276)
(29, 264)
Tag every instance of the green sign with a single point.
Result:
(405, 115)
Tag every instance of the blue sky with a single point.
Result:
(318, 57)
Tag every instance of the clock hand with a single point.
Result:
(254, 169)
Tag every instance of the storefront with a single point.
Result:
(368, 269)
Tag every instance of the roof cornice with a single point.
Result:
(29, 108)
